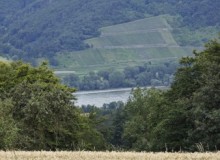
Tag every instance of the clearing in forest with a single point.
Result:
(127, 44)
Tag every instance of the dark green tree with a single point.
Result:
(8, 126)
(195, 96)
(206, 99)
(116, 79)
(40, 112)
(143, 114)
(182, 117)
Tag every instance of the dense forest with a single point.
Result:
(38, 112)
(31, 29)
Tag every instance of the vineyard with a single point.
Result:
(126, 44)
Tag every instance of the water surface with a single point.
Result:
(99, 97)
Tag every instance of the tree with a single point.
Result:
(8, 126)
(118, 123)
(47, 120)
(195, 93)
(206, 99)
(143, 114)
(39, 112)
(116, 79)
(72, 80)
(185, 115)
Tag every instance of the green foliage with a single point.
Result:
(194, 95)
(143, 112)
(38, 113)
(39, 28)
(118, 130)
(56, 27)
(205, 100)
(109, 121)
(182, 117)
(8, 126)
(43, 113)
(177, 119)
(144, 75)
(126, 45)
(186, 36)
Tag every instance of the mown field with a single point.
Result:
(106, 156)
(127, 44)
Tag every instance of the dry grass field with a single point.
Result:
(106, 156)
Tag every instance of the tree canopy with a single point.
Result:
(184, 117)
(38, 112)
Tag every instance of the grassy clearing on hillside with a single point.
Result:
(148, 31)
(151, 23)
(107, 156)
(128, 39)
(91, 60)
(128, 44)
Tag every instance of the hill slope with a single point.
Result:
(32, 29)
(126, 44)
(40, 28)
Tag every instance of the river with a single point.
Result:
(98, 98)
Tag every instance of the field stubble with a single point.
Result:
(81, 155)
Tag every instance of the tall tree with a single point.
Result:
(195, 91)
(42, 109)
(8, 127)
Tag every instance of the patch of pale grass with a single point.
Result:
(21, 155)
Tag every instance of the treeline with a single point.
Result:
(145, 75)
(38, 113)
(193, 13)
(41, 28)
(185, 117)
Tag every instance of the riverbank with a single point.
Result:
(100, 97)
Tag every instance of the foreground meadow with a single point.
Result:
(106, 156)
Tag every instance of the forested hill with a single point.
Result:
(40, 28)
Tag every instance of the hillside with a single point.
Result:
(31, 29)
(127, 44)
(40, 28)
